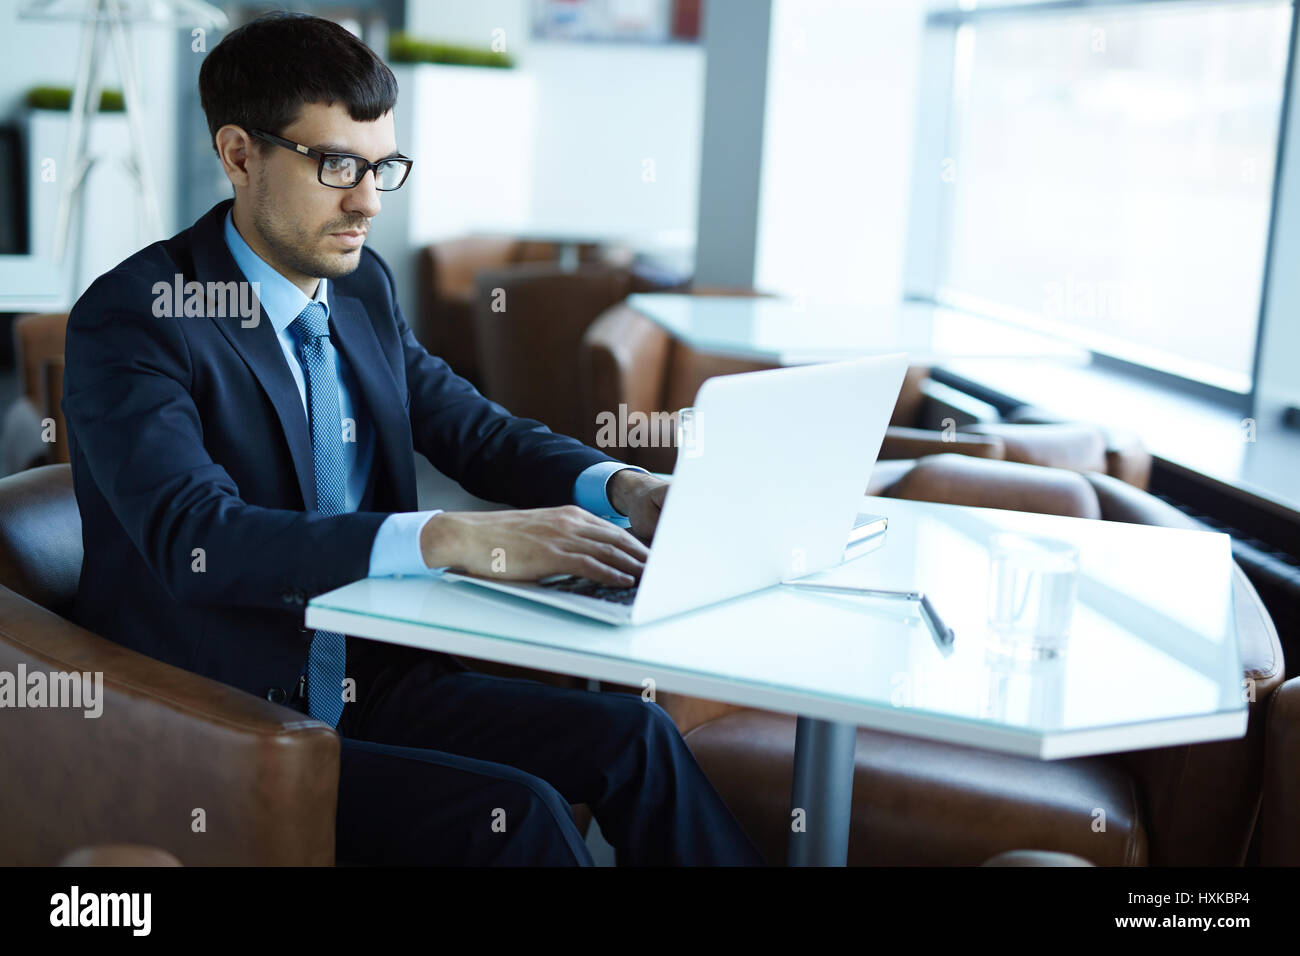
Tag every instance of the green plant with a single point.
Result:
(60, 98)
(404, 48)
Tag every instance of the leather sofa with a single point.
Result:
(922, 802)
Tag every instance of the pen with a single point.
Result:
(942, 632)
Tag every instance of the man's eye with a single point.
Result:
(336, 163)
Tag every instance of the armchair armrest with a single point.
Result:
(942, 403)
(1279, 819)
(1012, 486)
(918, 442)
(202, 770)
(1073, 445)
(1127, 458)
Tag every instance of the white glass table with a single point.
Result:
(1152, 660)
(794, 332)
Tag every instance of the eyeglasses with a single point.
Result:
(346, 170)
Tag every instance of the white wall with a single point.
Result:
(43, 52)
(837, 152)
(602, 112)
(618, 136)
(471, 22)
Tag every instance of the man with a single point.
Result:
(229, 464)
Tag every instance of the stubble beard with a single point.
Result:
(294, 247)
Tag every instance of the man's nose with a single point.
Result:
(363, 198)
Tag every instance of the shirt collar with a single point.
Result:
(281, 299)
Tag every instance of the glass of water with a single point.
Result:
(1033, 582)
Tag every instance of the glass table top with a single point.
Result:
(1152, 658)
(792, 332)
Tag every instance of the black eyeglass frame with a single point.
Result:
(363, 164)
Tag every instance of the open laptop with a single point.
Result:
(771, 470)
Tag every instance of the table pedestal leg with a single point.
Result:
(823, 791)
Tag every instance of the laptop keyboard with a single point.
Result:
(588, 588)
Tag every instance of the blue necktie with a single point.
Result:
(327, 659)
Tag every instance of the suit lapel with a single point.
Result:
(257, 344)
(354, 335)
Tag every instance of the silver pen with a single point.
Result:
(942, 632)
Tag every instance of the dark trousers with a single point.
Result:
(442, 764)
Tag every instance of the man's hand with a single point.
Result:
(534, 543)
(640, 497)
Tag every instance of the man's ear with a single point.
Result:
(233, 149)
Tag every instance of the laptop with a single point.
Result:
(771, 470)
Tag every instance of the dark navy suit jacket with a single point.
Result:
(188, 433)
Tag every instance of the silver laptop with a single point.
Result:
(771, 470)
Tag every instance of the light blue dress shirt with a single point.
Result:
(396, 549)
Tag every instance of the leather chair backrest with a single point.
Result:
(53, 384)
(528, 353)
(36, 338)
(40, 536)
(453, 263)
(911, 398)
(623, 358)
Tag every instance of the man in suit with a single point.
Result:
(235, 454)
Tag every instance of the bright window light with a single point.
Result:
(1111, 177)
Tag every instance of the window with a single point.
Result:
(1109, 175)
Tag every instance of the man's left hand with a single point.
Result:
(639, 496)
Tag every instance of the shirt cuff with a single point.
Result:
(589, 490)
(397, 551)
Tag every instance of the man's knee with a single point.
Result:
(641, 719)
(400, 805)
(527, 822)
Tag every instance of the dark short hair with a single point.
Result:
(262, 74)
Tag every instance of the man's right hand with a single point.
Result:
(532, 544)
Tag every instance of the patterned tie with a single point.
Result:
(327, 659)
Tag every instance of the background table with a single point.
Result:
(1152, 661)
(793, 332)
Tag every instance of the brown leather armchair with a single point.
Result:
(922, 802)
(446, 274)
(630, 361)
(38, 358)
(1279, 817)
(199, 769)
(529, 321)
(933, 419)
(175, 762)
